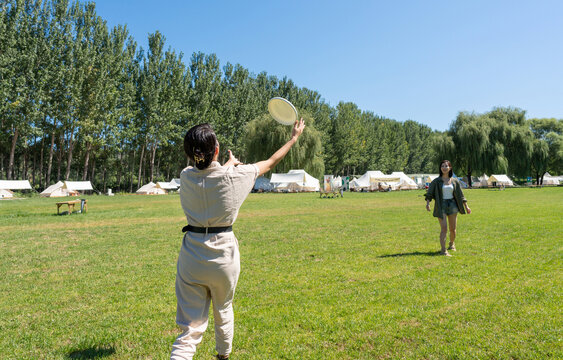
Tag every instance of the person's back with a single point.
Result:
(213, 196)
(209, 260)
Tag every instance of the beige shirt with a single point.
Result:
(213, 196)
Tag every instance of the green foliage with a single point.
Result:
(80, 100)
(264, 136)
(548, 146)
(496, 142)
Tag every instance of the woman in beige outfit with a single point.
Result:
(209, 261)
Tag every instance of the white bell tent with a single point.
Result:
(151, 189)
(295, 181)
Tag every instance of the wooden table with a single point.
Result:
(334, 193)
(71, 204)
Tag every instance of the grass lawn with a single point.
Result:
(352, 278)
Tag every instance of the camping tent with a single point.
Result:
(263, 184)
(372, 179)
(15, 185)
(5, 193)
(295, 180)
(151, 189)
(550, 180)
(365, 181)
(484, 180)
(497, 180)
(78, 185)
(176, 183)
(58, 190)
(405, 182)
(67, 188)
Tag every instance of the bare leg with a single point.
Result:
(443, 233)
(452, 220)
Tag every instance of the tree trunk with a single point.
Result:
(34, 163)
(12, 152)
(469, 178)
(70, 148)
(104, 177)
(541, 179)
(93, 173)
(24, 170)
(50, 164)
(153, 154)
(132, 164)
(120, 167)
(41, 162)
(60, 157)
(141, 164)
(87, 158)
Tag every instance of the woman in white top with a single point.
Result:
(209, 261)
(448, 201)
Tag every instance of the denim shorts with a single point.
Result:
(449, 207)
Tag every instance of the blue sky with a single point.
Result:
(418, 60)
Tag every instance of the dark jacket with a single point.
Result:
(435, 192)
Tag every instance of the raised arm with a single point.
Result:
(267, 165)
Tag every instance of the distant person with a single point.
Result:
(209, 261)
(448, 201)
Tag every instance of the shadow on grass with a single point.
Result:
(414, 253)
(92, 353)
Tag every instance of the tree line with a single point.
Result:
(502, 141)
(85, 102)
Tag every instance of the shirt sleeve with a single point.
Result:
(244, 177)
(430, 193)
(460, 192)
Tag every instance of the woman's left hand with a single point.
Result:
(468, 210)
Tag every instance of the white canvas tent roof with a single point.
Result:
(15, 185)
(5, 193)
(166, 185)
(500, 180)
(61, 189)
(78, 185)
(151, 189)
(176, 182)
(405, 183)
(295, 180)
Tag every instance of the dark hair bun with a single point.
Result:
(199, 144)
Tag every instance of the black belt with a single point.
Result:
(202, 230)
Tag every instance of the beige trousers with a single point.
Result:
(208, 270)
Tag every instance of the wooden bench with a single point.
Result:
(71, 204)
(334, 193)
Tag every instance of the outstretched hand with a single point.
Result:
(298, 128)
(233, 161)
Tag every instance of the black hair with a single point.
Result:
(199, 144)
(451, 173)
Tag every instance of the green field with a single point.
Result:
(352, 278)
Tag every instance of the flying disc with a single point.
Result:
(282, 111)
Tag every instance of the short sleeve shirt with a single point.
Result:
(213, 196)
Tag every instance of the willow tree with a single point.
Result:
(466, 145)
(548, 147)
(264, 136)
